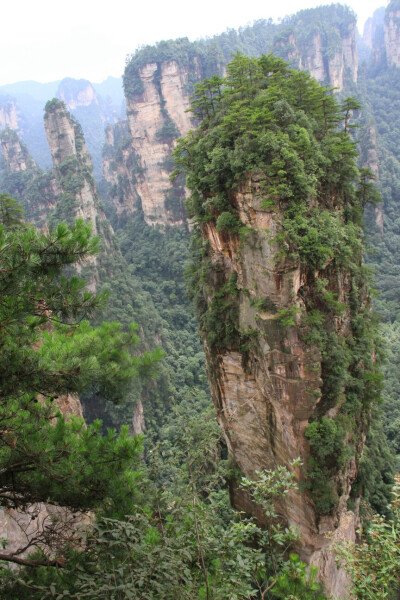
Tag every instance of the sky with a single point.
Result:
(45, 41)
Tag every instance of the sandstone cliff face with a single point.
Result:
(316, 56)
(314, 62)
(156, 118)
(73, 165)
(25, 181)
(77, 93)
(120, 169)
(392, 35)
(9, 115)
(268, 392)
(15, 153)
(372, 162)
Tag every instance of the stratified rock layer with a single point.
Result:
(328, 65)
(9, 115)
(163, 102)
(267, 394)
(392, 35)
(73, 164)
(15, 152)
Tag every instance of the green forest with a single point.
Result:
(113, 331)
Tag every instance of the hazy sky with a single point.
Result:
(44, 40)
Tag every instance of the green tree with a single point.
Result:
(374, 565)
(47, 350)
(366, 192)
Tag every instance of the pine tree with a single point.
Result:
(48, 349)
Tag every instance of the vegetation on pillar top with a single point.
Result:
(53, 105)
(269, 121)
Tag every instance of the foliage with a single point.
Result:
(54, 104)
(298, 582)
(227, 221)
(189, 543)
(377, 467)
(267, 119)
(48, 350)
(168, 132)
(373, 565)
(157, 258)
(286, 316)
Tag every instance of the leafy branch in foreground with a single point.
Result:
(48, 353)
(187, 543)
(374, 565)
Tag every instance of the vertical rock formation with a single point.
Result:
(372, 163)
(8, 113)
(76, 93)
(159, 80)
(392, 33)
(15, 153)
(156, 117)
(269, 387)
(322, 41)
(24, 180)
(73, 166)
(283, 304)
(86, 104)
(373, 29)
(121, 168)
(91, 111)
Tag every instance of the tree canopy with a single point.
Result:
(48, 349)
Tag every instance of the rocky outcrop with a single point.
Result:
(373, 29)
(8, 114)
(15, 152)
(346, 59)
(314, 61)
(92, 112)
(156, 117)
(121, 167)
(138, 424)
(24, 180)
(316, 55)
(270, 386)
(372, 163)
(77, 93)
(87, 105)
(78, 196)
(73, 166)
(392, 34)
